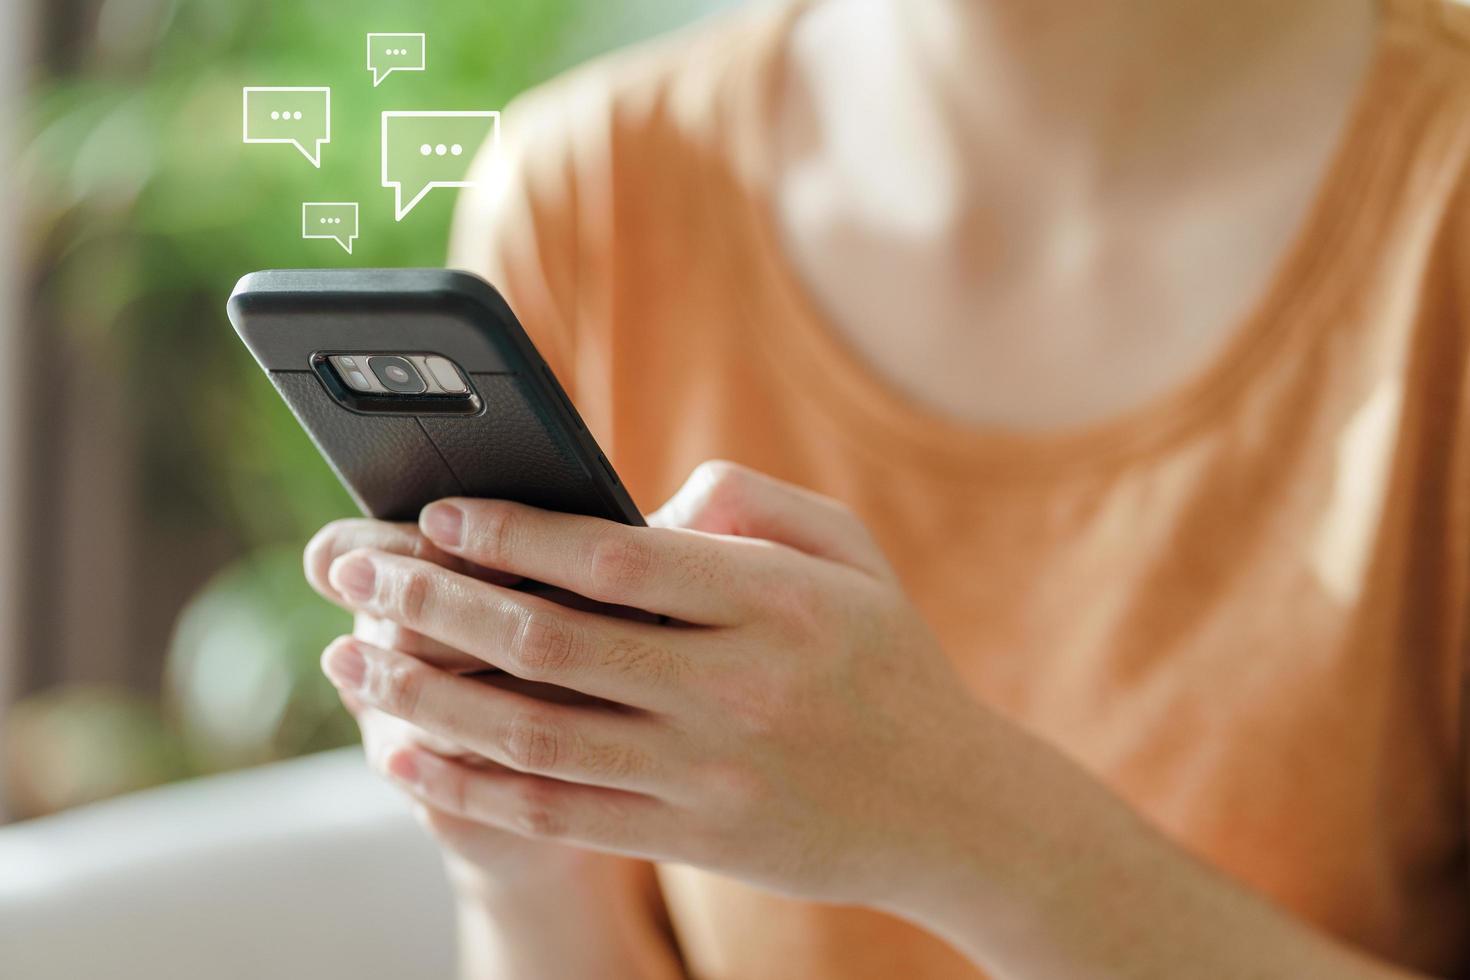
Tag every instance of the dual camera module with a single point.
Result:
(400, 374)
(400, 384)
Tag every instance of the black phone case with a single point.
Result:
(525, 443)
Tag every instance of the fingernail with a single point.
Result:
(444, 524)
(354, 577)
(404, 765)
(345, 665)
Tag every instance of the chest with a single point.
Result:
(1252, 637)
(1259, 658)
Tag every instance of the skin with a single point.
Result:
(526, 908)
(793, 724)
(1076, 220)
(1068, 206)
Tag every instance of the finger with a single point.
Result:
(576, 744)
(540, 808)
(695, 578)
(467, 837)
(382, 733)
(340, 537)
(390, 636)
(632, 663)
(725, 498)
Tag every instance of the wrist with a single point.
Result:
(995, 809)
(1023, 846)
(588, 915)
(951, 824)
(550, 881)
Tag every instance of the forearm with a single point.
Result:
(1057, 878)
(606, 922)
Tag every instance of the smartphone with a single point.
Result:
(417, 384)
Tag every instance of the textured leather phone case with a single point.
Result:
(525, 442)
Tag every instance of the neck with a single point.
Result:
(1093, 84)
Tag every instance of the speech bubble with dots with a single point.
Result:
(335, 220)
(387, 53)
(299, 116)
(425, 150)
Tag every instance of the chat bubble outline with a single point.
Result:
(400, 210)
(315, 153)
(423, 52)
(334, 236)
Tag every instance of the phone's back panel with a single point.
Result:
(523, 441)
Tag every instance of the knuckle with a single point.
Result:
(737, 786)
(534, 812)
(727, 484)
(654, 665)
(798, 606)
(531, 743)
(760, 717)
(765, 705)
(621, 562)
(545, 647)
(411, 593)
(615, 762)
(715, 472)
(489, 530)
(401, 686)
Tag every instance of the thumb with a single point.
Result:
(726, 498)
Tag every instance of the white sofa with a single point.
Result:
(311, 869)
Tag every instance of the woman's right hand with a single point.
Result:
(526, 909)
(484, 863)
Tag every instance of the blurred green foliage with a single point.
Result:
(152, 207)
(146, 207)
(80, 744)
(242, 683)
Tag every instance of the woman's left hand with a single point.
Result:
(795, 724)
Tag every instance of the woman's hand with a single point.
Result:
(795, 726)
(792, 726)
(482, 860)
(527, 908)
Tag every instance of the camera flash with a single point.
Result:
(348, 371)
(447, 375)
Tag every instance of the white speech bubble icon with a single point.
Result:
(290, 114)
(424, 150)
(335, 220)
(387, 53)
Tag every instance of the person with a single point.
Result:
(1089, 598)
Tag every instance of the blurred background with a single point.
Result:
(154, 491)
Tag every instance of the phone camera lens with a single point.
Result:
(398, 375)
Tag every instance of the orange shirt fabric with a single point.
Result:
(1242, 605)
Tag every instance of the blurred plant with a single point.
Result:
(241, 687)
(242, 678)
(145, 208)
(74, 745)
(150, 207)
